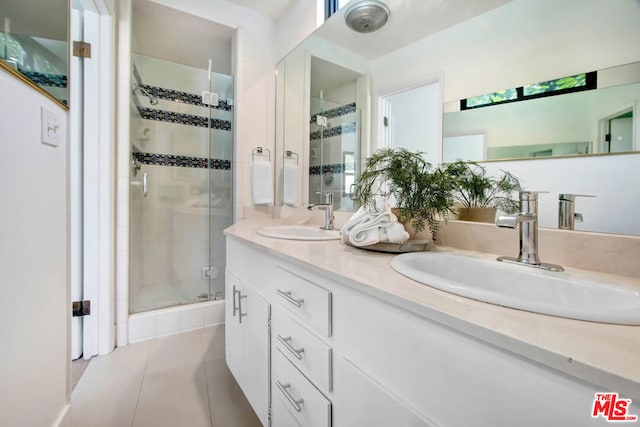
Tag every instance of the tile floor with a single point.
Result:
(173, 381)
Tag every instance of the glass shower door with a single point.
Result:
(180, 198)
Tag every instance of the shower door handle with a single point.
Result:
(144, 184)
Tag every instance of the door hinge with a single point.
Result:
(81, 308)
(82, 49)
(385, 121)
(208, 273)
(269, 414)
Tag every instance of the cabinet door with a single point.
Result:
(233, 328)
(254, 317)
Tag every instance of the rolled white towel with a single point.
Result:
(364, 234)
(394, 233)
(367, 232)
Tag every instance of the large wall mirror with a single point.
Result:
(34, 40)
(477, 49)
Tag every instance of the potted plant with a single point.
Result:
(478, 195)
(420, 193)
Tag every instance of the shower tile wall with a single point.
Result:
(171, 228)
(339, 137)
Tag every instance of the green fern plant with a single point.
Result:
(420, 192)
(473, 188)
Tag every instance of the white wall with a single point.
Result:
(522, 42)
(254, 72)
(34, 294)
(298, 21)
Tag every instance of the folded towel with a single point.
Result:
(373, 224)
(394, 233)
(261, 182)
(290, 181)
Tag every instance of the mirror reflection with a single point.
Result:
(513, 44)
(598, 121)
(33, 43)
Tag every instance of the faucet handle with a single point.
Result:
(328, 198)
(572, 197)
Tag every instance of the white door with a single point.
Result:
(92, 177)
(233, 328)
(413, 120)
(75, 181)
(255, 350)
(621, 134)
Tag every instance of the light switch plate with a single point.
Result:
(50, 125)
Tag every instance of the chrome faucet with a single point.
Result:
(327, 206)
(567, 216)
(527, 219)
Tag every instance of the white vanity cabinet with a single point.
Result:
(343, 356)
(247, 342)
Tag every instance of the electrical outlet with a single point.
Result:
(50, 126)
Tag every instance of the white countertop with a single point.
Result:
(603, 354)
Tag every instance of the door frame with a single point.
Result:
(92, 185)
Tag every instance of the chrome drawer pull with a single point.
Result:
(286, 342)
(240, 313)
(295, 403)
(287, 295)
(235, 308)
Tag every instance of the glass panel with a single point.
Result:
(183, 147)
(492, 98)
(333, 133)
(34, 41)
(569, 82)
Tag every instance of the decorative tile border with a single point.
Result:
(343, 129)
(49, 80)
(183, 119)
(336, 168)
(336, 112)
(182, 161)
(185, 97)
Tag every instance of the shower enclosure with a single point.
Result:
(181, 183)
(333, 151)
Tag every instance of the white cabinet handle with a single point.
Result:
(287, 295)
(286, 342)
(295, 403)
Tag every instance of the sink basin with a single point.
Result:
(299, 232)
(575, 295)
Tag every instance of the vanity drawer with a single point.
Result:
(297, 395)
(305, 350)
(305, 299)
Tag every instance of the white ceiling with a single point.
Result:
(272, 8)
(409, 21)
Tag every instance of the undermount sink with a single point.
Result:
(575, 295)
(298, 232)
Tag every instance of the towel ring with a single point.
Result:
(291, 155)
(260, 150)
